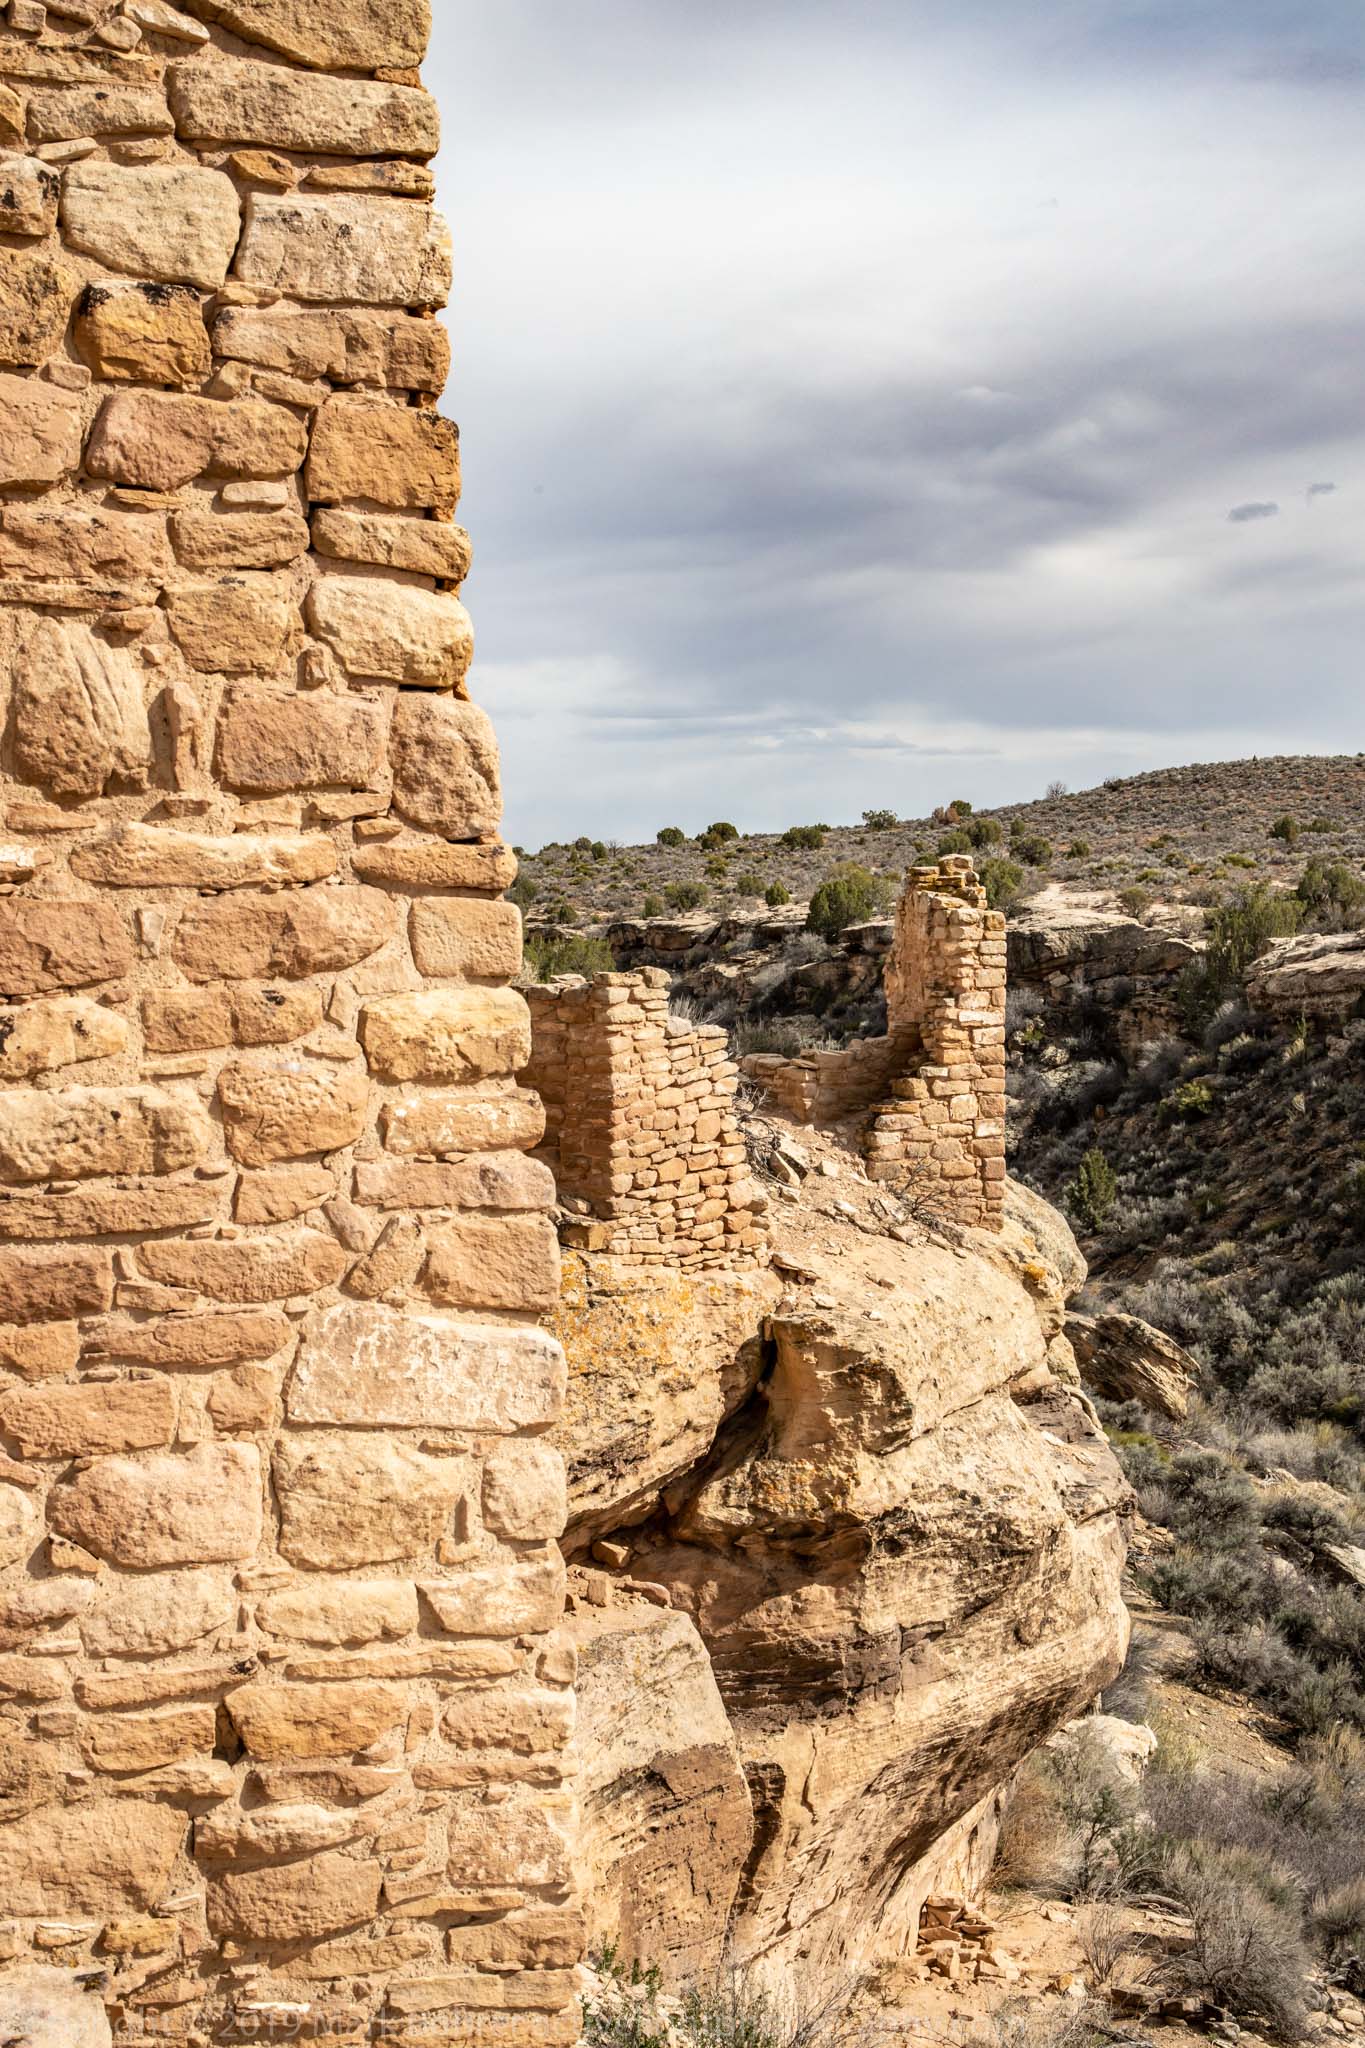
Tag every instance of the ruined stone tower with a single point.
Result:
(283, 1713)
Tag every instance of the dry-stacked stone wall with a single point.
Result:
(641, 1129)
(283, 1706)
(930, 1095)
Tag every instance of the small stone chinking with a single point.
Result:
(284, 1706)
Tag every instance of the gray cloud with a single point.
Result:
(810, 451)
(1242, 515)
(1321, 490)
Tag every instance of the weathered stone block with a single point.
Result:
(148, 1742)
(287, 1112)
(361, 1500)
(60, 943)
(345, 344)
(98, 1212)
(494, 1180)
(86, 1421)
(175, 223)
(546, 1937)
(425, 547)
(83, 1133)
(40, 432)
(499, 1600)
(40, 1351)
(159, 440)
(156, 857)
(363, 1363)
(437, 864)
(242, 1402)
(281, 1196)
(144, 334)
(446, 1034)
(38, 2005)
(281, 1723)
(100, 1857)
(153, 1617)
(268, 741)
(445, 766)
(348, 35)
(391, 632)
(369, 448)
(39, 1038)
(50, 1286)
(107, 547)
(239, 540)
(515, 1843)
(351, 1611)
(445, 1125)
(244, 938)
(36, 296)
(19, 1525)
(203, 1507)
(525, 1492)
(29, 194)
(230, 628)
(381, 252)
(460, 937)
(494, 1262)
(198, 1341)
(80, 711)
(245, 102)
(57, 112)
(299, 1901)
(196, 1020)
(246, 1269)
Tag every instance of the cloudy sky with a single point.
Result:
(867, 402)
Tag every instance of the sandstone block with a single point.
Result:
(148, 1742)
(80, 712)
(515, 1843)
(202, 1507)
(40, 1351)
(494, 1262)
(454, 937)
(344, 344)
(51, 1286)
(244, 938)
(445, 767)
(29, 193)
(155, 857)
(425, 547)
(40, 432)
(174, 223)
(281, 1196)
(19, 1525)
(84, 1133)
(100, 1857)
(159, 440)
(105, 547)
(525, 1492)
(57, 112)
(351, 1611)
(363, 1363)
(242, 1402)
(38, 2005)
(349, 35)
(446, 1034)
(36, 297)
(98, 1212)
(154, 1617)
(484, 1991)
(196, 1020)
(268, 741)
(544, 1938)
(280, 1723)
(39, 1038)
(244, 102)
(361, 1500)
(391, 632)
(499, 1600)
(438, 1126)
(380, 252)
(239, 540)
(287, 1112)
(246, 1269)
(368, 448)
(234, 627)
(199, 1342)
(495, 1180)
(85, 1421)
(298, 1901)
(144, 334)
(437, 864)
(60, 943)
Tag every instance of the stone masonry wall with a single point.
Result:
(640, 1125)
(930, 1094)
(283, 1705)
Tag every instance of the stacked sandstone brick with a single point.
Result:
(930, 1095)
(641, 1129)
(282, 1711)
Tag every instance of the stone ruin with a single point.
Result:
(283, 1705)
(641, 1130)
(928, 1098)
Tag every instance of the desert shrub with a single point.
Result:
(1338, 1920)
(1238, 933)
(960, 808)
(1092, 1194)
(984, 831)
(1192, 1100)
(1325, 887)
(880, 821)
(547, 957)
(749, 884)
(598, 850)
(953, 842)
(653, 906)
(1135, 900)
(850, 895)
(582, 844)
(720, 832)
(1034, 850)
(685, 895)
(671, 835)
(804, 838)
(1248, 1951)
(523, 892)
(1002, 881)
(1286, 829)
(776, 894)
(1079, 849)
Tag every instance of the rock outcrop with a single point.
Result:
(1319, 974)
(1126, 1359)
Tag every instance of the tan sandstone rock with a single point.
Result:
(155, 857)
(380, 252)
(148, 1742)
(196, 1020)
(494, 1262)
(347, 344)
(279, 1723)
(245, 938)
(202, 1507)
(269, 741)
(445, 767)
(426, 547)
(246, 1269)
(60, 943)
(445, 1124)
(289, 1111)
(239, 540)
(101, 1857)
(175, 223)
(40, 432)
(299, 1901)
(36, 296)
(499, 1600)
(245, 623)
(52, 1285)
(360, 35)
(38, 2005)
(40, 1037)
(144, 334)
(29, 194)
(365, 448)
(85, 1421)
(348, 1502)
(252, 102)
(83, 1133)
(157, 440)
(365, 1362)
(80, 712)
(351, 1611)
(152, 1617)
(446, 1034)
(457, 937)
(391, 633)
